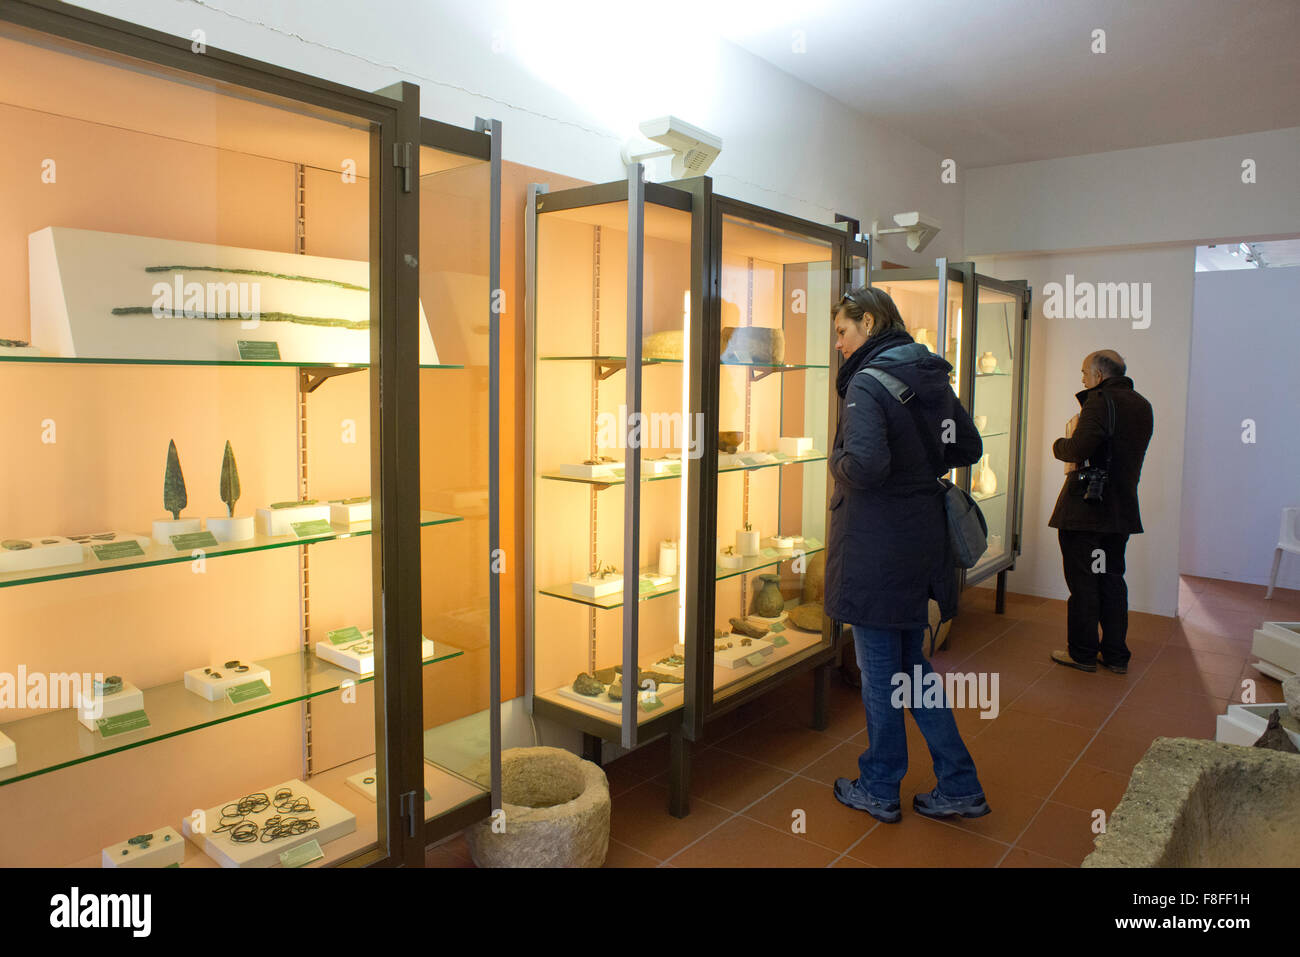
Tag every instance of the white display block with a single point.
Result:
(167, 848)
(8, 751)
(214, 689)
(165, 529)
(79, 276)
(110, 538)
(341, 514)
(1277, 643)
(280, 521)
(666, 692)
(731, 562)
(747, 542)
(1243, 724)
(734, 657)
(729, 460)
(784, 544)
(368, 789)
(19, 351)
(665, 466)
(90, 708)
(794, 445)
(609, 471)
(237, 529)
(45, 552)
(361, 662)
(593, 587)
(334, 819)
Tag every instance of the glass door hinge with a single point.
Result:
(402, 161)
(408, 811)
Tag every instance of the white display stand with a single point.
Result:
(79, 276)
(47, 551)
(794, 446)
(367, 789)
(129, 699)
(88, 546)
(280, 521)
(611, 470)
(167, 849)
(19, 351)
(361, 662)
(164, 530)
(341, 514)
(1243, 724)
(214, 689)
(605, 703)
(334, 819)
(734, 657)
(8, 751)
(1277, 643)
(732, 561)
(660, 466)
(784, 545)
(598, 587)
(237, 529)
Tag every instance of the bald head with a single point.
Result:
(1102, 364)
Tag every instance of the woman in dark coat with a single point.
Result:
(887, 554)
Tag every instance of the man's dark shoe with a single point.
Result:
(1063, 658)
(936, 805)
(1117, 669)
(849, 794)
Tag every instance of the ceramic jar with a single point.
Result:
(983, 480)
(981, 422)
(988, 363)
(769, 602)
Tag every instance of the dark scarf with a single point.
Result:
(864, 354)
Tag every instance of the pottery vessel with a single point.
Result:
(983, 479)
(988, 363)
(769, 602)
(760, 345)
(981, 422)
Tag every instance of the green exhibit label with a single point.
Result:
(779, 641)
(427, 795)
(770, 553)
(247, 691)
(130, 549)
(342, 636)
(121, 723)
(778, 627)
(259, 350)
(192, 540)
(650, 702)
(319, 526)
(302, 854)
(812, 543)
(755, 659)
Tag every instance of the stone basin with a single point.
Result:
(1194, 803)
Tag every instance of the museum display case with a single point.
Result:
(983, 324)
(210, 307)
(679, 367)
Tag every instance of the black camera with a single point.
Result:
(1092, 480)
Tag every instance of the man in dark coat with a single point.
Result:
(1094, 534)
(887, 549)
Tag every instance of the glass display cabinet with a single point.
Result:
(679, 362)
(983, 325)
(215, 357)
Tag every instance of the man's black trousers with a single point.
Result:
(1094, 573)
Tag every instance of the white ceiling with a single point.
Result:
(987, 82)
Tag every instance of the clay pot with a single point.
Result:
(988, 363)
(662, 345)
(730, 441)
(981, 422)
(768, 601)
(983, 479)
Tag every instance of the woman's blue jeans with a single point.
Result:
(882, 654)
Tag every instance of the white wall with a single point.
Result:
(571, 81)
(1245, 364)
(1157, 360)
(1181, 192)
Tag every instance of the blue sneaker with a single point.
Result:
(849, 794)
(936, 805)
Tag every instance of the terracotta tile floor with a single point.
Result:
(1061, 749)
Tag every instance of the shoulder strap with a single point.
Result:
(901, 391)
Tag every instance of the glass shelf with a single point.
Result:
(987, 498)
(157, 554)
(992, 435)
(606, 482)
(56, 739)
(616, 600)
(281, 364)
(608, 365)
(990, 375)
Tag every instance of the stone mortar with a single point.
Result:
(556, 811)
(1195, 803)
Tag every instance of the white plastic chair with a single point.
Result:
(1288, 540)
